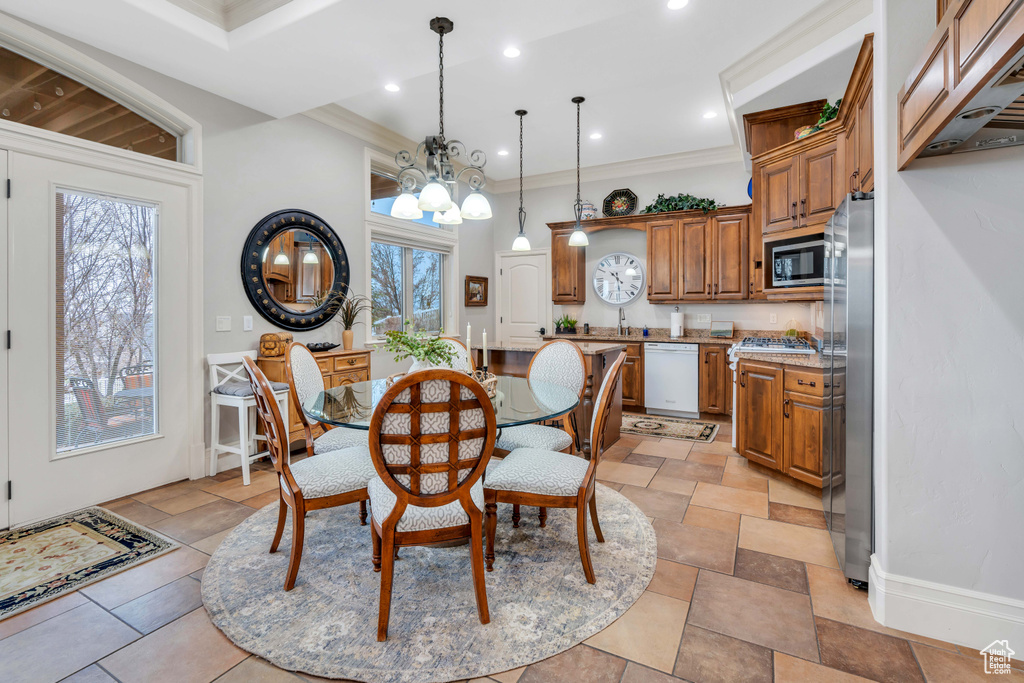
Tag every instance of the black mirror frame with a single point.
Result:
(252, 268)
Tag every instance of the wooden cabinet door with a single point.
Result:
(822, 184)
(851, 164)
(759, 402)
(633, 377)
(755, 265)
(662, 261)
(714, 379)
(567, 266)
(779, 195)
(865, 142)
(694, 259)
(802, 436)
(729, 236)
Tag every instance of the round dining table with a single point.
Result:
(517, 401)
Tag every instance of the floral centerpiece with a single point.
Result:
(426, 350)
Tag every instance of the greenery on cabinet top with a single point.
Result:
(682, 202)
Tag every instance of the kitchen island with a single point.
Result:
(515, 360)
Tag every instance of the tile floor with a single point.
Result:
(746, 589)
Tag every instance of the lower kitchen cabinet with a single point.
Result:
(715, 379)
(759, 402)
(633, 377)
(802, 436)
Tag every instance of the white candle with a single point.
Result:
(469, 337)
(485, 348)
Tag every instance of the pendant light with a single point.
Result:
(310, 256)
(436, 172)
(578, 238)
(282, 258)
(521, 243)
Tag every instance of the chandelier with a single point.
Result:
(433, 167)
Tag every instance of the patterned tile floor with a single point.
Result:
(746, 589)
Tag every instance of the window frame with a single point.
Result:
(397, 232)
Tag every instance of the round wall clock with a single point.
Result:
(619, 278)
(619, 203)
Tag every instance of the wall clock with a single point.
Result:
(619, 278)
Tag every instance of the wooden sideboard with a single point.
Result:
(338, 368)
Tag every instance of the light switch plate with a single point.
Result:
(703, 317)
(247, 323)
(773, 318)
(223, 323)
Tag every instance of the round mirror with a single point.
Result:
(294, 269)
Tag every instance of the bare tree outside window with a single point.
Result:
(386, 294)
(105, 319)
(392, 270)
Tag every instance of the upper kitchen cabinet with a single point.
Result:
(965, 91)
(662, 260)
(568, 270)
(856, 118)
(729, 242)
(694, 247)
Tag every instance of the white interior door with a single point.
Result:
(98, 310)
(4, 292)
(523, 301)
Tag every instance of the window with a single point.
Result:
(406, 283)
(105, 319)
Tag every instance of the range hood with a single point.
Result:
(966, 93)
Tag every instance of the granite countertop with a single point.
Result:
(590, 347)
(694, 337)
(797, 359)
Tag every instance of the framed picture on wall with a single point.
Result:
(476, 290)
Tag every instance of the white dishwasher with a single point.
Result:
(670, 379)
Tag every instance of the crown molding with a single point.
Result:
(229, 14)
(624, 169)
(339, 118)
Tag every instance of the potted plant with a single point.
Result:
(681, 202)
(427, 351)
(348, 309)
(565, 325)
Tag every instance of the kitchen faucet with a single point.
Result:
(622, 319)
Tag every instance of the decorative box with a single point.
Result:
(274, 343)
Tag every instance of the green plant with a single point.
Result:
(418, 345)
(566, 322)
(829, 112)
(349, 308)
(681, 202)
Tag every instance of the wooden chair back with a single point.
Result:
(270, 415)
(603, 407)
(463, 359)
(305, 379)
(431, 436)
(562, 362)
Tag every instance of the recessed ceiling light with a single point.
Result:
(711, 114)
(677, 4)
(391, 87)
(511, 52)
(502, 152)
(595, 136)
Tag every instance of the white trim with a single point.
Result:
(498, 256)
(339, 118)
(623, 169)
(50, 52)
(948, 613)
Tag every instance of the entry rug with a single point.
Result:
(46, 560)
(669, 427)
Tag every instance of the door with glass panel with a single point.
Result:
(4, 290)
(97, 364)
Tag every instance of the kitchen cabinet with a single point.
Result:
(777, 193)
(695, 279)
(821, 182)
(337, 367)
(802, 416)
(759, 421)
(715, 380)
(856, 118)
(729, 237)
(799, 185)
(568, 270)
(632, 380)
(755, 264)
(662, 260)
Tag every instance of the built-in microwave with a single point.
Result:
(800, 261)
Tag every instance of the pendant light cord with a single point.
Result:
(522, 211)
(440, 78)
(578, 206)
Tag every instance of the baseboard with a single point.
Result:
(948, 613)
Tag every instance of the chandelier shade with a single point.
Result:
(406, 206)
(450, 217)
(435, 197)
(476, 207)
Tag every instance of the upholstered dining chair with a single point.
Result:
(534, 476)
(305, 382)
(463, 359)
(431, 436)
(325, 480)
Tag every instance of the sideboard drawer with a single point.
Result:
(346, 363)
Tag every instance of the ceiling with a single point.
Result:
(649, 73)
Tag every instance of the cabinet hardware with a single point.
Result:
(827, 385)
(705, 359)
(709, 289)
(785, 404)
(794, 211)
(716, 288)
(800, 381)
(853, 180)
(743, 373)
(351, 361)
(751, 287)
(803, 208)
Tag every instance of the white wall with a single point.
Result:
(949, 370)
(726, 183)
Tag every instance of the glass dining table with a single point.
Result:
(517, 401)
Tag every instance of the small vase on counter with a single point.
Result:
(346, 339)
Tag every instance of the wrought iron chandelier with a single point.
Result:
(436, 171)
(578, 238)
(521, 243)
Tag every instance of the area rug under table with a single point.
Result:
(540, 603)
(48, 559)
(669, 427)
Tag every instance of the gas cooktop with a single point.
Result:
(775, 345)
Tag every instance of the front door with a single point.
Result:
(98, 309)
(522, 296)
(5, 285)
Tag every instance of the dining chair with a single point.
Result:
(534, 476)
(431, 436)
(463, 359)
(321, 481)
(230, 388)
(306, 382)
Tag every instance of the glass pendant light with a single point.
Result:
(476, 207)
(406, 207)
(521, 243)
(578, 238)
(435, 197)
(282, 258)
(310, 257)
(450, 217)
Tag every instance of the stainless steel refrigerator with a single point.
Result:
(848, 350)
